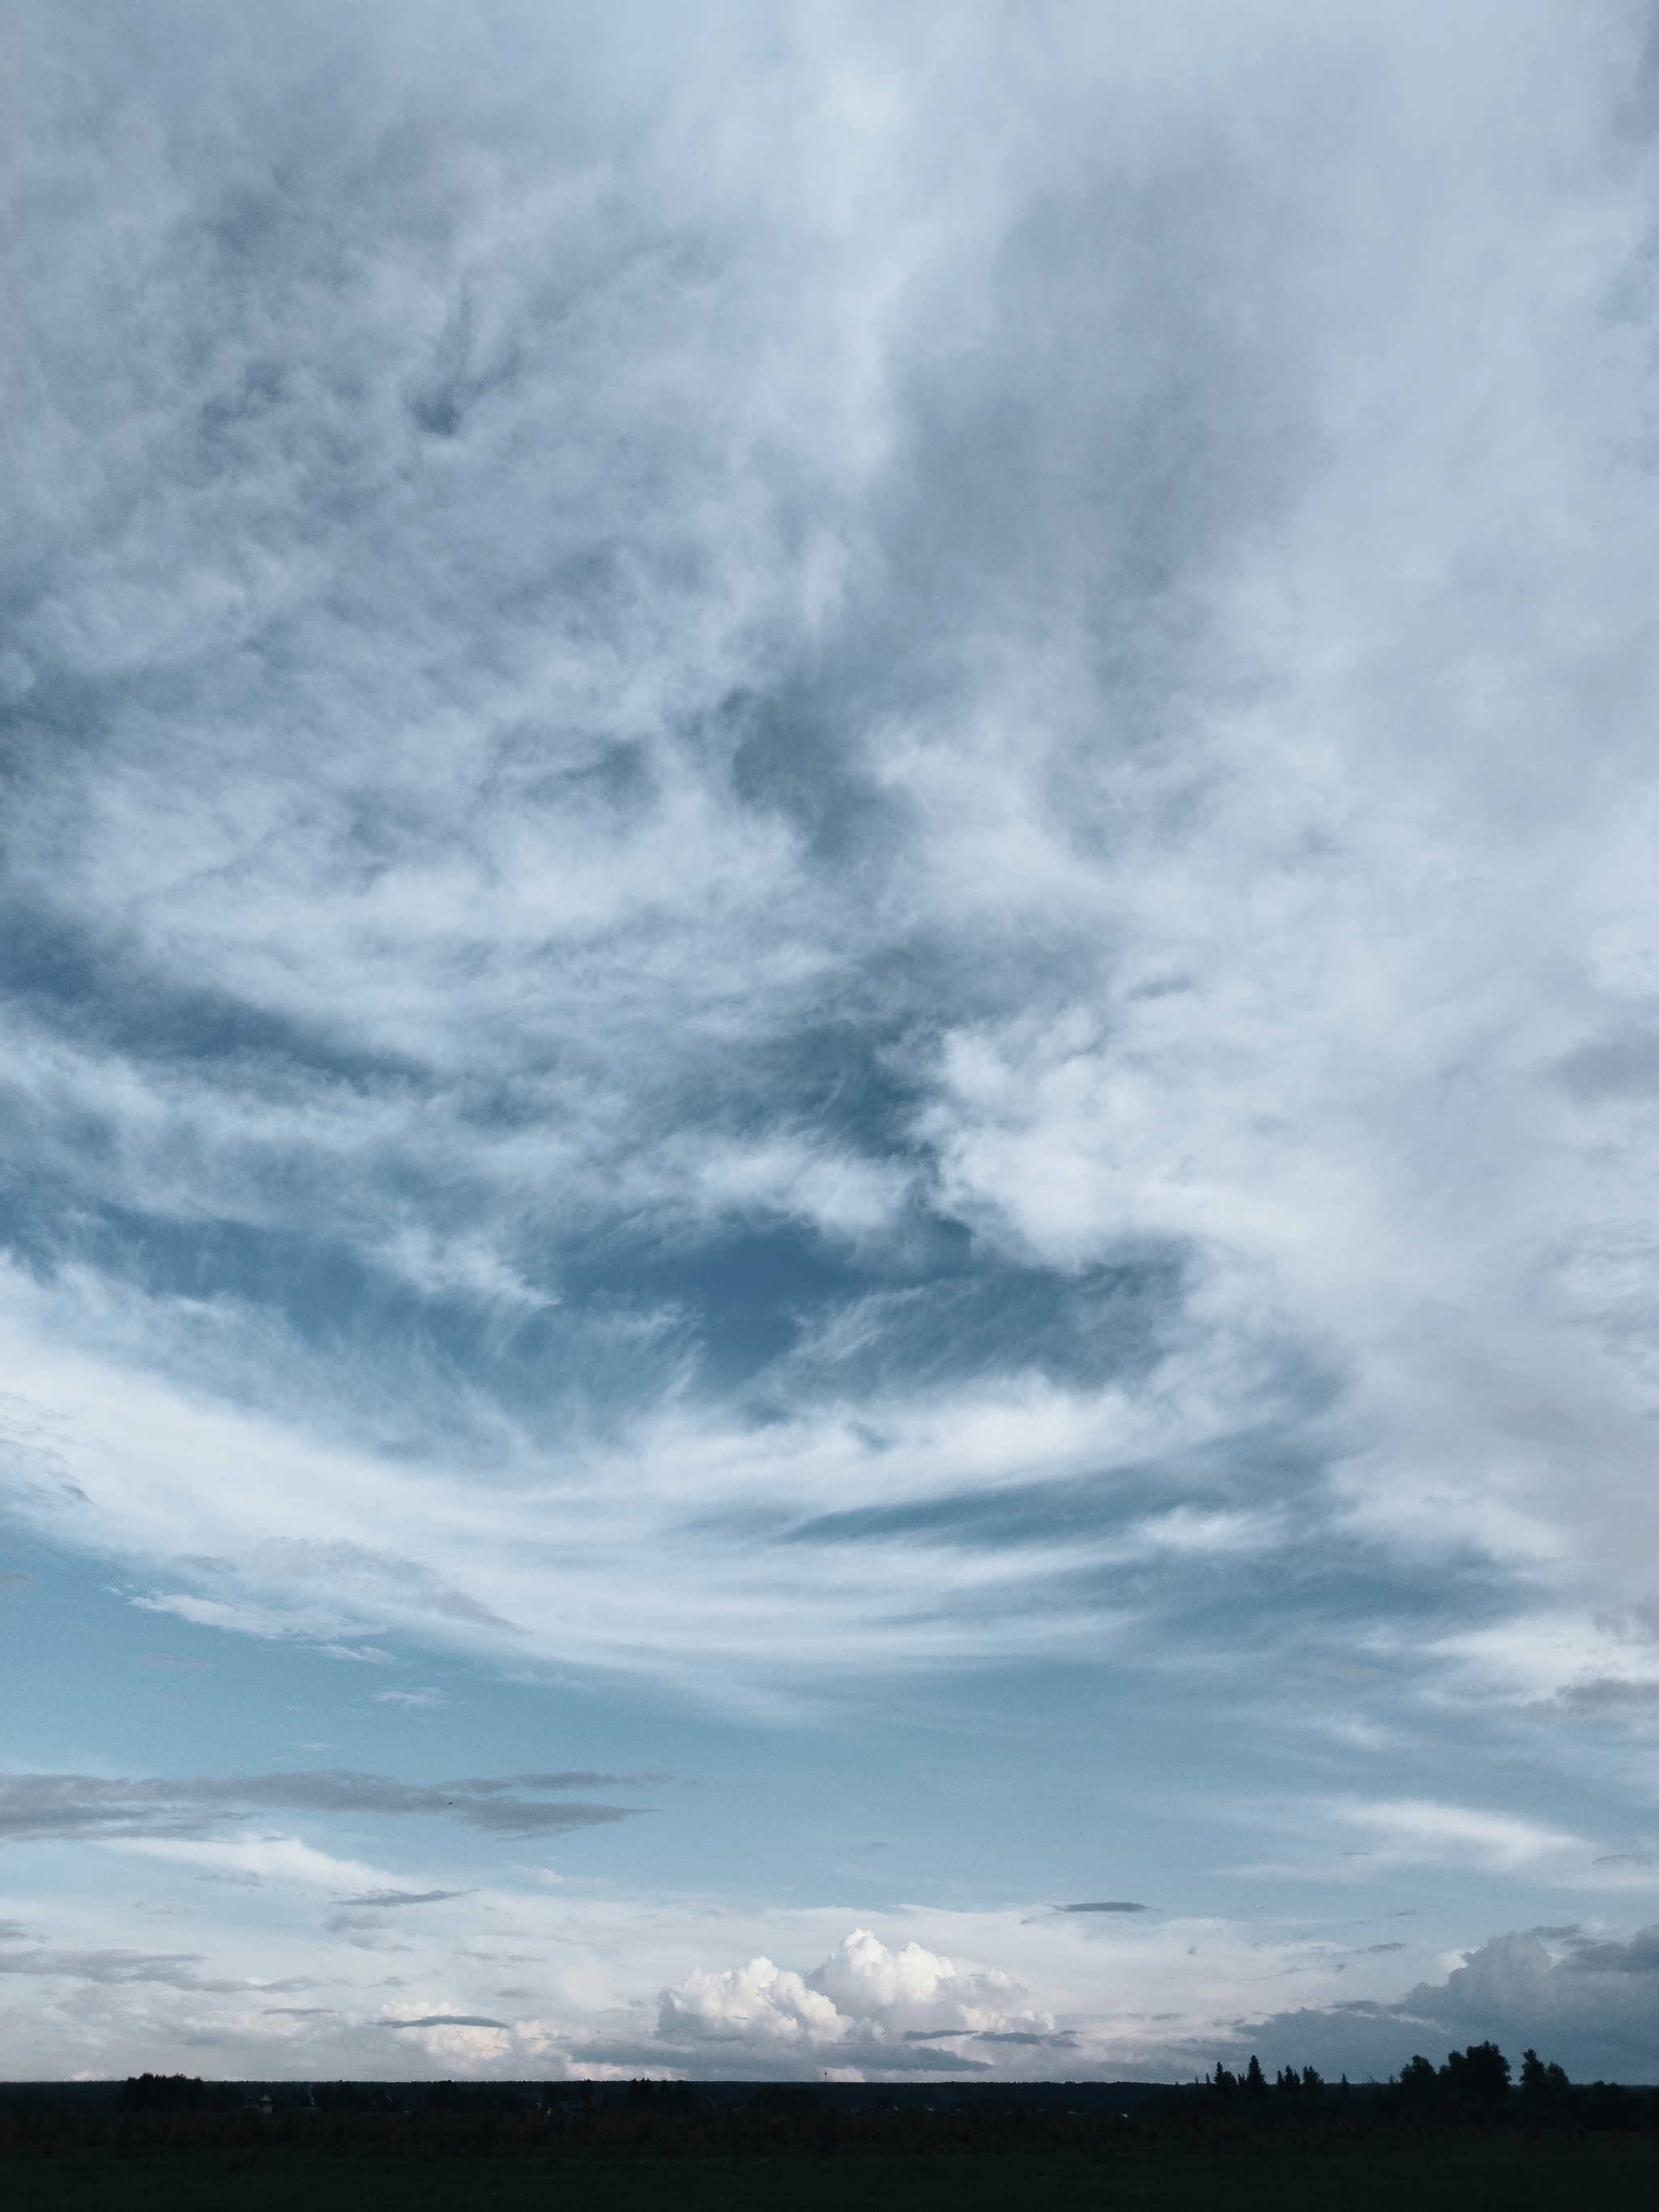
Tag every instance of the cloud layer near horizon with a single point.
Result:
(505, 1981)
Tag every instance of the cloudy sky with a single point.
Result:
(829, 1033)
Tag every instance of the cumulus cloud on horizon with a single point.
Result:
(863, 2007)
(1589, 2005)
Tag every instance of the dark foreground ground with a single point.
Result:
(1460, 2139)
(1455, 2173)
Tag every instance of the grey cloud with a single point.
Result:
(382, 1899)
(1107, 1904)
(116, 1967)
(365, 1931)
(445, 2020)
(1594, 2011)
(177, 1970)
(164, 1659)
(486, 1786)
(1626, 1063)
(38, 1806)
(14, 1578)
(1063, 2040)
(1640, 1955)
(1607, 1694)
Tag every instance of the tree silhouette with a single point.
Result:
(1478, 2075)
(1541, 2084)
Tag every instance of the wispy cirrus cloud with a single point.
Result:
(1408, 1829)
(697, 986)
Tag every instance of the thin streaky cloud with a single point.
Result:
(35, 1807)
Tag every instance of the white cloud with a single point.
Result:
(879, 2005)
(265, 1858)
(758, 2003)
(445, 2035)
(260, 1983)
(1415, 1830)
(534, 1555)
(866, 2006)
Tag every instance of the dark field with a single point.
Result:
(1460, 2174)
(1460, 2139)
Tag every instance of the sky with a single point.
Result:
(829, 1038)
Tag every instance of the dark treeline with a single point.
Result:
(1473, 2089)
